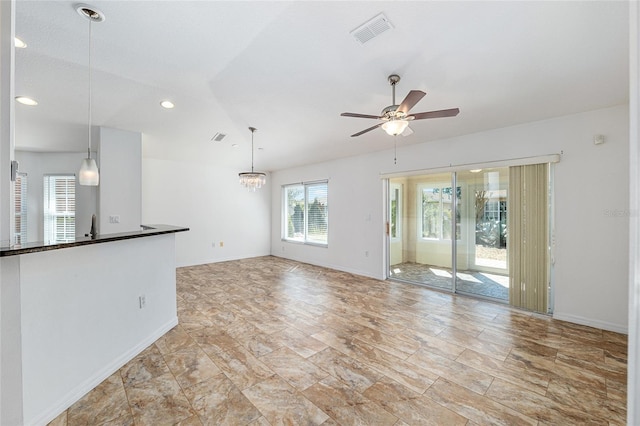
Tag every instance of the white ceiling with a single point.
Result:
(290, 68)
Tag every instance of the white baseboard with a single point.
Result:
(221, 259)
(82, 389)
(604, 325)
(332, 266)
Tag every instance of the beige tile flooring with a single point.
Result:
(267, 341)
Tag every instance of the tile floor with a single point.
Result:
(472, 282)
(267, 341)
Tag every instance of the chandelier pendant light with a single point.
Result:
(252, 180)
(89, 174)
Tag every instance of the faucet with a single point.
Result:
(93, 231)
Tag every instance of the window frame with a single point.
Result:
(440, 186)
(50, 217)
(306, 204)
(395, 194)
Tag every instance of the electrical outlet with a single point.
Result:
(221, 243)
(114, 219)
(143, 301)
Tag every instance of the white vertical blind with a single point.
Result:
(20, 194)
(528, 223)
(59, 208)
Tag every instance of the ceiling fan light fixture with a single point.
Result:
(395, 127)
(395, 118)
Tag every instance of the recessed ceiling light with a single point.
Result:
(19, 43)
(475, 170)
(26, 101)
(167, 104)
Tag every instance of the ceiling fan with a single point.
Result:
(395, 118)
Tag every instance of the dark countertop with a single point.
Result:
(145, 231)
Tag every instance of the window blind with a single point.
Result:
(20, 203)
(528, 224)
(317, 213)
(59, 208)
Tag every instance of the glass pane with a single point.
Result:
(317, 213)
(423, 254)
(294, 203)
(431, 215)
(395, 205)
(482, 250)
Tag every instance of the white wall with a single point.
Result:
(212, 204)
(120, 163)
(591, 189)
(78, 328)
(38, 164)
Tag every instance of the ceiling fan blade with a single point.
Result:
(436, 114)
(356, 115)
(367, 130)
(409, 102)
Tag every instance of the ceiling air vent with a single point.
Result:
(218, 137)
(372, 28)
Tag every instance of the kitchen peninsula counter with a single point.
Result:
(145, 231)
(75, 313)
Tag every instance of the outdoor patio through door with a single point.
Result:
(448, 225)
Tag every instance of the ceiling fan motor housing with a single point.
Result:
(391, 113)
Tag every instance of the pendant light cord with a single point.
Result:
(253, 129)
(89, 143)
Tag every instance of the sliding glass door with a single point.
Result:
(484, 232)
(434, 216)
(421, 228)
(482, 267)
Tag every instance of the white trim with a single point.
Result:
(541, 159)
(332, 266)
(603, 325)
(399, 211)
(74, 395)
(633, 365)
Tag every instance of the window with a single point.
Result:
(437, 206)
(20, 202)
(396, 211)
(59, 208)
(306, 213)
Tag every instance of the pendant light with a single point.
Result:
(89, 174)
(252, 180)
